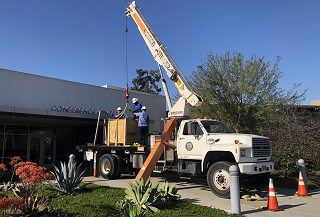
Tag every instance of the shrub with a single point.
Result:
(68, 179)
(32, 200)
(294, 134)
(168, 194)
(141, 198)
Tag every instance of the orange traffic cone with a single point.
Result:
(302, 191)
(272, 199)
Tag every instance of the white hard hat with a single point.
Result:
(119, 109)
(134, 100)
(144, 108)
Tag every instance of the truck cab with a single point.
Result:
(208, 147)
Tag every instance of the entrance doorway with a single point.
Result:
(42, 150)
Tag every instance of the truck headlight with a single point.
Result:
(242, 153)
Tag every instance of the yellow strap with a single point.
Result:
(127, 104)
(257, 207)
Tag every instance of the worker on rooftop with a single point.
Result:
(119, 114)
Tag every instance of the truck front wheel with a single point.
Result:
(108, 166)
(218, 179)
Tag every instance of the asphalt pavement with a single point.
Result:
(196, 190)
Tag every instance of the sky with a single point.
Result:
(85, 41)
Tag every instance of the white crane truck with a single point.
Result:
(190, 146)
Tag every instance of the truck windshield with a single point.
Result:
(215, 127)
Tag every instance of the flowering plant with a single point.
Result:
(13, 203)
(9, 185)
(31, 188)
(3, 168)
(13, 162)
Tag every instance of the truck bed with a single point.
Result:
(102, 147)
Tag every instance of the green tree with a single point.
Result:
(294, 134)
(238, 92)
(146, 81)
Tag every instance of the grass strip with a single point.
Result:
(291, 181)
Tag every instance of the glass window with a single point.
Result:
(198, 129)
(1, 142)
(42, 130)
(65, 131)
(185, 129)
(64, 145)
(16, 129)
(61, 159)
(215, 127)
(194, 129)
(14, 145)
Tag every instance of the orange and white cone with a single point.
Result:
(272, 199)
(302, 191)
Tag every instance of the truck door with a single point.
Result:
(191, 141)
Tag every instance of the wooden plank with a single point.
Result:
(169, 145)
(156, 152)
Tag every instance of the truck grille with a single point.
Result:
(261, 147)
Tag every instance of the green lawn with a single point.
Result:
(97, 200)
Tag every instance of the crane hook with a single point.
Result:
(127, 93)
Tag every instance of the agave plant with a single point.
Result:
(8, 186)
(140, 198)
(128, 210)
(168, 194)
(68, 179)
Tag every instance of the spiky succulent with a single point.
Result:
(168, 194)
(68, 179)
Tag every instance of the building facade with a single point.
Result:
(42, 119)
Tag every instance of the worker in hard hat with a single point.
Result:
(136, 107)
(119, 114)
(143, 126)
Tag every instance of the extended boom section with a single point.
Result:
(159, 53)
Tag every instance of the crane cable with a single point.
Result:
(126, 94)
(126, 30)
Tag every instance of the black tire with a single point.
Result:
(119, 167)
(218, 179)
(108, 166)
(256, 182)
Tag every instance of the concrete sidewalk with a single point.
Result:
(197, 191)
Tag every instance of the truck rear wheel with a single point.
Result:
(256, 182)
(108, 166)
(120, 166)
(218, 179)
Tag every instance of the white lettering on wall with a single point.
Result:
(78, 110)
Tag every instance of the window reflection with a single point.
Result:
(42, 130)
